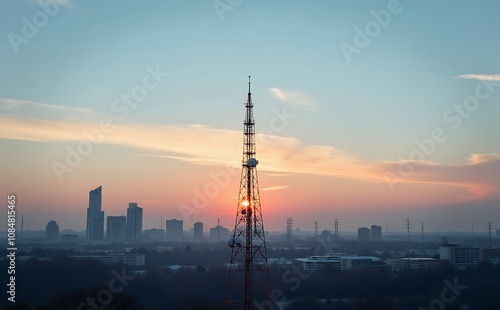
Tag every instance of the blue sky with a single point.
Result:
(371, 109)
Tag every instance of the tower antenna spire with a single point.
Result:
(248, 270)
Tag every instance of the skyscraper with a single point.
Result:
(219, 233)
(376, 233)
(363, 234)
(198, 231)
(116, 228)
(52, 231)
(174, 230)
(95, 217)
(134, 222)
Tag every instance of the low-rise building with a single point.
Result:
(461, 257)
(338, 261)
(491, 255)
(126, 259)
(412, 263)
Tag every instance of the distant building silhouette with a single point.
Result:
(69, 238)
(363, 234)
(125, 259)
(95, 217)
(376, 233)
(219, 233)
(116, 228)
(174, 230)
(134, 222)
(52, 231)
(154, 234)
(198, 231)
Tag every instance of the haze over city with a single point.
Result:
(366, 125)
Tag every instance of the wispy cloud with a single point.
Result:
(275, 188)
(479, 77)
(482, 158)
(280, 156)
(280, 174)
(29, 108)
(294, 97)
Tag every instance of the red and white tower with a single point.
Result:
(249, 282)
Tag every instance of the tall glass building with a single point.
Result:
(134, 222)
(95, 217)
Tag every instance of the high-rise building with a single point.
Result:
(95, 217)
(198, 231)
(219, 233)
(134, 222)
(52, 231)
(363, 234)
(116, 228)
(376, 233)
(174, 229)
(153, 234)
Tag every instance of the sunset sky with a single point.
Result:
(366, 111)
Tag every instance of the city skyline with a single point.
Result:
(356, 118)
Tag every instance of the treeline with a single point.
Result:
(65, 283)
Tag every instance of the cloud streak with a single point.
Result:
(293, 97)
(198, 144)
(275, 188)
(479, 77)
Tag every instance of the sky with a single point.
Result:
(369, 112)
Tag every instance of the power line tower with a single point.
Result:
(489, 235)
(248, 271)
(316, 229)
(422, 230)
(408, 227)
(336, 236)
(289, 228)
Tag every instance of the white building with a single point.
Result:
(460, 257)
(338, 261)
(412, 263)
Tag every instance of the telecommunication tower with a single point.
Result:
(249, 280)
